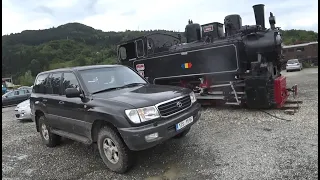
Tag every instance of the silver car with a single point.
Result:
(293, 64)
(23, 110)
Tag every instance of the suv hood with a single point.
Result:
(142, 96)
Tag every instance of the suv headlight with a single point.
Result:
(193, 98)
(142, 114)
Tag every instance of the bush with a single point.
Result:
(307, 64)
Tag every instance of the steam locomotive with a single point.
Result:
(228, 62)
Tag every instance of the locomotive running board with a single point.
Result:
(209, 97)
(216, 95)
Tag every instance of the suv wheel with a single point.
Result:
(182, 134)
(114, 153)
(49, 139)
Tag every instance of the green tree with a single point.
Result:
(27, 79)
(80, 61)
(35, 67)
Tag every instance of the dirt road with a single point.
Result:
(225, 144)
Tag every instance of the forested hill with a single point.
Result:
(75, 44)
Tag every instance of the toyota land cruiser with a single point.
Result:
(113, 106)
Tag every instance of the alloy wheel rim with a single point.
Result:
(110, 150)
(45, 132)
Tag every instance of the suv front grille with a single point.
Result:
(174, 106)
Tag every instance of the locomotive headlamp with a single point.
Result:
(193, 98)
(142, 114)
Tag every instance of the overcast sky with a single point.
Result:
(119, 15)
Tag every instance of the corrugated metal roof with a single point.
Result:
(299, 45)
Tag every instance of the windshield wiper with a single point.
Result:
(132, 85)
(121, 87)
(105, 90)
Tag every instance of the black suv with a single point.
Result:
(113, 106)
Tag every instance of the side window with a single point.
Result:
(16, 93)
(69, 81)
(123, 53)
(39, 85)
(22, 92)
(127, 52)
(139, 48)
(299, 49)
(54, 84)
(10, 94)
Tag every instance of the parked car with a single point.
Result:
(15, 97)
(293, 64)
(113, 106)
(26, 87)
(22, 111)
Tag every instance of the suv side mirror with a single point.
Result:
(72, 92)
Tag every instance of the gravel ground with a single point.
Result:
(227, 143)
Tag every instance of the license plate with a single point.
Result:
(184, 123)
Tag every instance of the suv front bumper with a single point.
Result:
(134, 137)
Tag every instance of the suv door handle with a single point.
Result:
(44, 100)
(61, 102)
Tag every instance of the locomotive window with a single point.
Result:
(123, 53)
(140, 48)
(126, 52)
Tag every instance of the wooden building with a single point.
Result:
(303, 52)
(7, 79)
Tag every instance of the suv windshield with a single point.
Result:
(100, 79)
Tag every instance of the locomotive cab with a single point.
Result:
(131, 50)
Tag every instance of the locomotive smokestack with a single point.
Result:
(259, 14)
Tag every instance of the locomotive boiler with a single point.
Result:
(228, 62)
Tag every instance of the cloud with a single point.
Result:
(114, 15)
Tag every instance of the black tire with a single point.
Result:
(53, 139)
(124, 161)
(182, 134)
